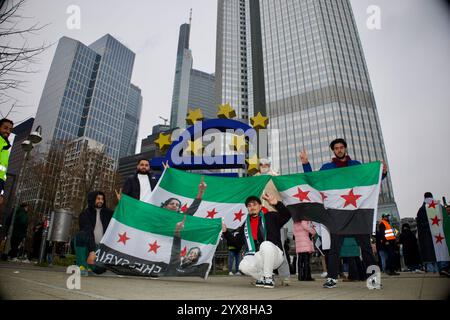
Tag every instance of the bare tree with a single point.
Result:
(16, 53)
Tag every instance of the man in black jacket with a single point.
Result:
(93, 224)
(261, 237)
(141, 184)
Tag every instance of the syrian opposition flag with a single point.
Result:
(141, 239)
(224, 197)
(439, 224)
(345, 200)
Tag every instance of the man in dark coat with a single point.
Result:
(410, 249)
(93, 224)
(426, 246)
(140, 185)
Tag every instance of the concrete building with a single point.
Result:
(192, 88)
(304, 62)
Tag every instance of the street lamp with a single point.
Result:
(36, 136)
(27, 146)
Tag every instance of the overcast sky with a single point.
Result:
(408, 62)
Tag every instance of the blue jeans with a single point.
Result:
(383, 256)
(431, 267)
(442, 265)
(233, 255)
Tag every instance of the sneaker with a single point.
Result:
(259, 283)
(14, 260)
(26, 261)
(419, 271)
(331, 283)
(323, 275)
(269, 283)
(230, 273)
(238, 273)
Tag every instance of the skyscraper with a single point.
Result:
(316, 83)
(239, 64)
(87, 93)
(192, 88)
(131, 125)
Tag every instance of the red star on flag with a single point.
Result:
(212, 213)
(153, 247)
(301, 195)
(432, 204)
(123, 238)
(435, 220)
(439, 238)
(238, 215)
(351, 198)
(183, 252)
(184, 208)
(323, 195)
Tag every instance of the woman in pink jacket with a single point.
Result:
(303, 230)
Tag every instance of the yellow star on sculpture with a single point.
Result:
(238, 143)
(194, 115)
(195, 147)
(163, 141)
(252, 164)
(259, 121)
(226, 112)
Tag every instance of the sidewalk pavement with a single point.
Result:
(30, 282)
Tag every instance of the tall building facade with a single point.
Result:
(192, 88)
(239, 59)
(87, 93)
(201, 93)
(309, 57)
(131, 126)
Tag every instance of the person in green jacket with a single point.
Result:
(6, 127)
(350, 253)
(19, 229)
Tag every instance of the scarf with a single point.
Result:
(248, 233)
(341, 164)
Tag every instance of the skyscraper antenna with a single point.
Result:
(190, 17)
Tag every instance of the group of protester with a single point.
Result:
(260, 236)
(339, 253)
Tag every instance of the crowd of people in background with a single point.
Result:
(251, 251)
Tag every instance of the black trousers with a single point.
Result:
(304, 267)
(363, 241)
(391, 257)
(15, 243)
(355, 269)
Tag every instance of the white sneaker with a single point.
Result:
(323, 275)
(26, 261)
(231, 273)
(14, 260)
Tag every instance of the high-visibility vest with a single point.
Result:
(4, 157)
(389, 231)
